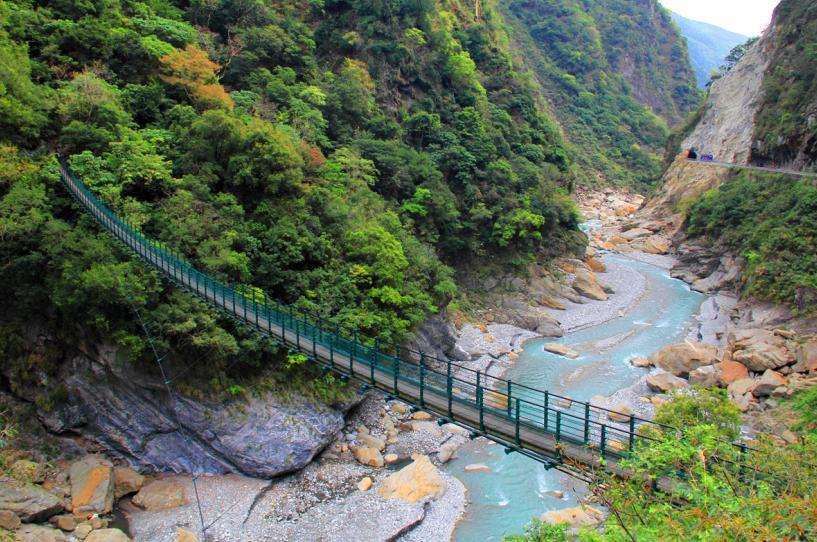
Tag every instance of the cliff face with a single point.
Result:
(726, 130)
(645, 48)
(762, 112)
(124, 409)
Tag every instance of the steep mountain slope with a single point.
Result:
(708, 45)
(758, 113)
(615, 71)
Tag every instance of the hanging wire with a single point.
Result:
(174, 400)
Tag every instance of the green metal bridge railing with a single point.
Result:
(438, 385)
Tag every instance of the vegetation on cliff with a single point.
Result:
(771, 220)
(615, 72)
(765, 494)
(339, 155)
(786, 123)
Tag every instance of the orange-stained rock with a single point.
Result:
(92, 485)
(160, 495)
(732, 371)
(596, 265)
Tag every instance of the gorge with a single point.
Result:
(497, 187)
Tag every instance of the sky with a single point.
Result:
(748, 17)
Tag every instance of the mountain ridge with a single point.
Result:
(708, 45)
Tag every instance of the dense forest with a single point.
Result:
(339, 155)
(771, 220)
(617, 73)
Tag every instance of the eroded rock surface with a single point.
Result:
(131, 416)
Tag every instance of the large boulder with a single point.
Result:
(418, 481)
(547, 326)
(38, 533)
(621, 413)
(732, 371)
(635, 233)
(665, 382)
(9, 520)
(579, 516)
(437, 337)
(656, 244)
(586, 284)
(560, 350)
(160, 495)
(92, 485)
(31, 503)
(446, 452)
(807, 357)
(708, 376)
(682, 358)
(766, 384)
(760, 349)
(742, 387)
(597, 266)
(368, 456)
(126, 481)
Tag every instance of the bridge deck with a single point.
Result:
(546, 427)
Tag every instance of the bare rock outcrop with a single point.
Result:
(725, 130)
(130, 415)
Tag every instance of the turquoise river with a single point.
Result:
(517, 489)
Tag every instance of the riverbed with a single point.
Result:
(518, 489)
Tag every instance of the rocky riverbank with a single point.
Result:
(760, 352)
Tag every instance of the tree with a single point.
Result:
(190, 69)
(23, 112)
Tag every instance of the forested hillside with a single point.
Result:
(616, 72)
(338, 155)
(708, 46)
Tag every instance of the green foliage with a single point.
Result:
(576, 49)
(805, 403)
(335, 156)
(785, 126)
(710, 407)
(539, 531)
(720, 493)
(772, 221)
(23, 109)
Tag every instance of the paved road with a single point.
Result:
(756, 168)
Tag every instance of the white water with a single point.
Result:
(506, 499)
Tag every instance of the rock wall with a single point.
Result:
(725, 130)
(133, 418)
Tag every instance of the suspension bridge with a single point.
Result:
(549, 428)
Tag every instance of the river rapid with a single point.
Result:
(518, 489)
